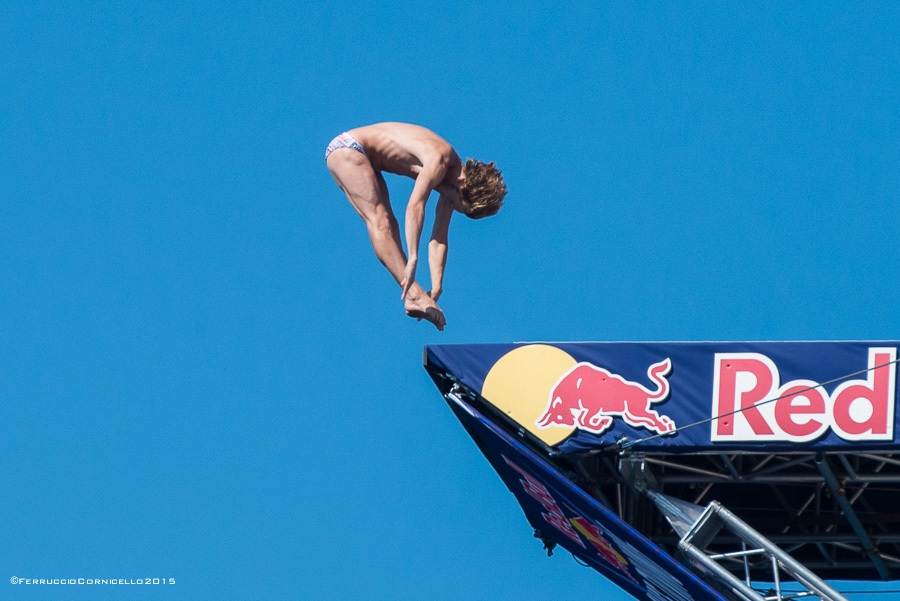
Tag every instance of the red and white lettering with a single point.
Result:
(804, 411)
(864, 409)
(554, 515)
(740, 381)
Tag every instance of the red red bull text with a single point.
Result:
(587, 397)
(553, 515)
(803, 411)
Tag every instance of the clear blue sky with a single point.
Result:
(207, 376)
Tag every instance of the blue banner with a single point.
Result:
(565, 514)
(688, 397)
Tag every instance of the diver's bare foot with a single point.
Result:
(425, 308)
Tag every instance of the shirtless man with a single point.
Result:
(356, 160)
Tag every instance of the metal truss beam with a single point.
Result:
(838, 492)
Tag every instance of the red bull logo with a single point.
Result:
(604, 548)
(588, 397)
(550, 394)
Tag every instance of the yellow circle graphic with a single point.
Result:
(520, 382)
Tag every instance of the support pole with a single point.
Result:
(871, 550)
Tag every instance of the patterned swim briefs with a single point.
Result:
(344, 140)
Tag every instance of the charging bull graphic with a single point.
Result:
(586, 397)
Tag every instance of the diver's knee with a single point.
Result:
(383, 224)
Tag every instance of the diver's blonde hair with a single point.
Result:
(483, 189)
